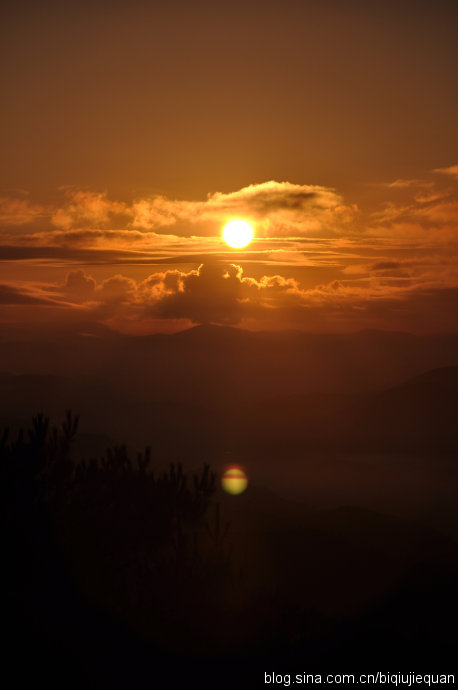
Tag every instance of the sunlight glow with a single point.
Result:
(234, 480)
(238, 233)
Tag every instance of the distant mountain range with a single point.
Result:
(210, 389)
(418, 415)
(212, 363)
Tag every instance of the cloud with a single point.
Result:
(29, 252)
(79, 284)
(388, 294)
(386, 265)
(206, 295)
(10, 294)
(279, 210)
(86, 209)
(223, 294)
(270, 197)
(212, 293)
(420, 216)
(402, 184)
(274, 206)
(452, 170)
(117, 289)
(19, 211)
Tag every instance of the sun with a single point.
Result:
(237, 233)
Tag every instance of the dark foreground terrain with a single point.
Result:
(118, 576)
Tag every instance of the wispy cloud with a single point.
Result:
(20, 211)
(86, 209)
(452, 170)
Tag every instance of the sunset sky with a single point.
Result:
(133, 131)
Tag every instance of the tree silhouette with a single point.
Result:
(136, 541)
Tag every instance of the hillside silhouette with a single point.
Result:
(208, 364)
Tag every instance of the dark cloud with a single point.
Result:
(79, 284)
(265, 201)
(386, 265)
(206, 296)
(12, 295)
(79, 254)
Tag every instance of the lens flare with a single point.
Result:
(234, 480)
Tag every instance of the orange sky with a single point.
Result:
(132, 133)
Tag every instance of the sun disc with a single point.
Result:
(237, 233)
